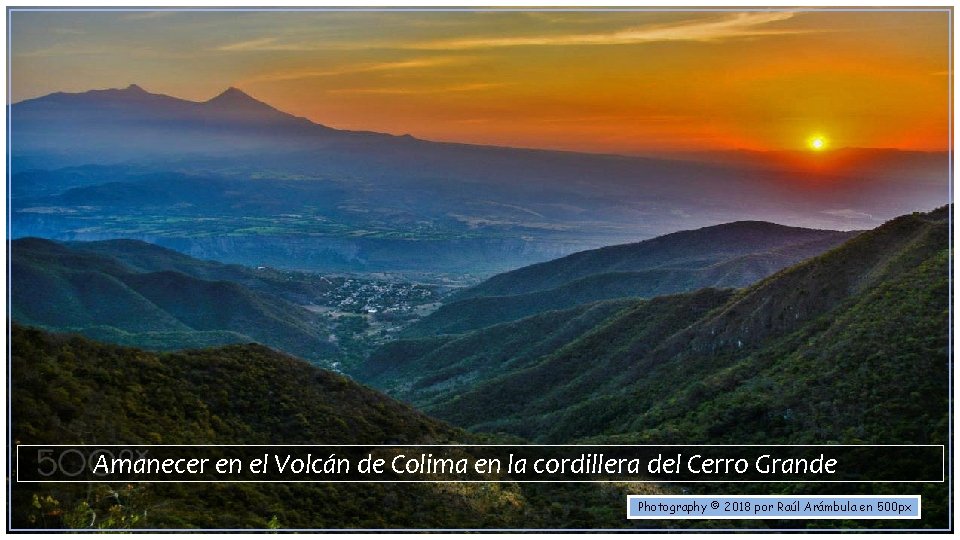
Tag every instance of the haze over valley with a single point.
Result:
(236, 180)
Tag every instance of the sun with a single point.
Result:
(817, 143)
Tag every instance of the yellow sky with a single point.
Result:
(620, 81)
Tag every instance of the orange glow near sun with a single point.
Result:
(596, 81)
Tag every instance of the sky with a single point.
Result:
(622, 82)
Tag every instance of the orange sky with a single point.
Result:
(582, 80)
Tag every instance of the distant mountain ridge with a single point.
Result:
(729, 255)
(230, 108)
(166, 124)
(697, 248)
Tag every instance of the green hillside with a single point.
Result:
(143, 257)
(146, 257)
(70, 390)
(731, 255)
(695, 249)
(79, 290)
(438, 367)
(850, 346)
(434, 372)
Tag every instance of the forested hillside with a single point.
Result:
(64, 288)
(850, 346)
(71, 390)
(729, 255)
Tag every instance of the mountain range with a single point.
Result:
(177, 126)
(633, 300)
(723, 256)
(134, 293)
(848, 346)
(270, 188)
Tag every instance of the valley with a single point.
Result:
(845, 346)
(135, 293)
